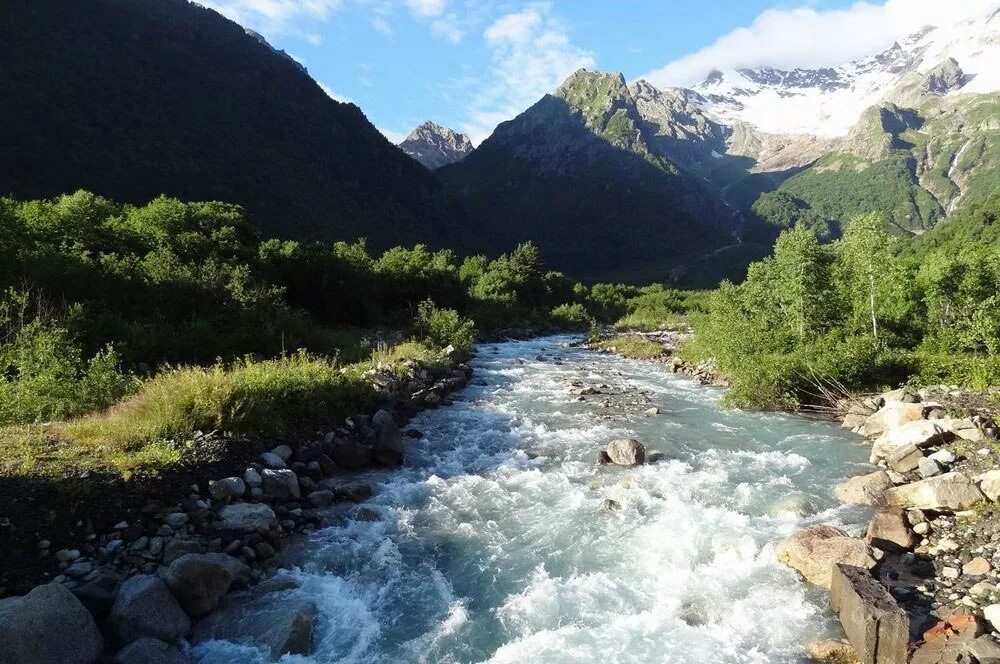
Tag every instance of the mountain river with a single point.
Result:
(497, 541)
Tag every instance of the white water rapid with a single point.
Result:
(496, 543)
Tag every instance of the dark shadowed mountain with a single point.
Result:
(134, 98)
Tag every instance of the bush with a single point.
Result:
(442, 327)
(571, 317)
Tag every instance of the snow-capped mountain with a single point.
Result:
(435, 146)
(828, 101)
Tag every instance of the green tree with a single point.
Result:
(867, 266)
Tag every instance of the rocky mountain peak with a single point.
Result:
(435, 146)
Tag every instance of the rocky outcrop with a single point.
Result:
(150, 651)
(435, 146)
(865, 489)
(200, 580)
(876, 626)
(282, 624)
(814, 551)
(48, 625)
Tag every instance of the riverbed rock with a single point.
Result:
(150, 651)
(281, 484)
(890, 531)
(865, 489)
(905, 458)
(227, 489)
(200, 580)
(814, 551)
(146, 607)
(891, 416)
(989, 483)
(950, 491)
(49, 624)
(351, 454)
(388, 440)
(874, 623)
(831, 651)
(626, 452)
(920, 433)
(985, 649)
(248, 517)
(282, 625)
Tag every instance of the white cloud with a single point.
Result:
(382, 26)
(806, 37)
(395, 137)
(332, 94)
(531, 54)
(275, 15)
(427, 7)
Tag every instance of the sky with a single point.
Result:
(471, 64)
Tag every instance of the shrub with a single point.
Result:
(442, 327)
(571, 317)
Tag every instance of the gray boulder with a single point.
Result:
(281, 484)
(890, 531)
(892, 416)
(388, 440)
(146, 607)
(150, 651)
(227, 489)
(280, 624)
(47, 625)
(626, 452)
(905, 458)
(98, 593)
(814, 551)
(200, 580)
(248, 517)
(864, 489)
(951, 491)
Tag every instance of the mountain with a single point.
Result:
(435, 146)
(585, 175)
(136, 99)
(828, 101)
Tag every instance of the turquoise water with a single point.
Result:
(496, 544)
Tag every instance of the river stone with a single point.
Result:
(989, 482)
(150, 651)
(284, 452)
(985, 649)
(282, 625)
(227, 489)
(321, 498)
(890, 531)
(978, 566)
(951, 491)
(146, 607)
(831, 651)
(200, 580)
(281, 484)
(874, 623)
(247, 517)
(351, 454)
(47, 625)
(626, 452)
(905, 458)
(864, 489)
(272, 460)
(97, 593)
(891, 416)
(920, 433)
(388, 441)
(928, 467)
(252, 478)
(814, 551)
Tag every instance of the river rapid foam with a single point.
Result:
(497, 542)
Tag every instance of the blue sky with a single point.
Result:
(470, 64)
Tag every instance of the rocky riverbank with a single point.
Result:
(921, 585)
(132, 593)
(669, 340)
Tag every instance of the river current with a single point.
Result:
(503, 541)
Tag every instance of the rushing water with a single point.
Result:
(496, 543)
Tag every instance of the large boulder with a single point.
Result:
(388, 440)
(904, 459)
(247, 517)
(281, 484)
(921, 433)
(227, 489)
(951, 491)
(891, 416)
(831, 651)
(989, 483)
(47, 625)
(889, 530)
(150, 651)
(98, 592)
(200, 580)
(864, 489)
(350, 454)
(626, 452)
(874, 623)
(814, 551)
(280, 624)
(146, 607)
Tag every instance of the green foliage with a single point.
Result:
(571, 317)
(443, 327)
(633, 346)
(653, 308)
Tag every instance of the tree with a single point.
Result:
(867, 266)
(802, 280)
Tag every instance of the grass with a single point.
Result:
(150, 430)
(633, 346)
